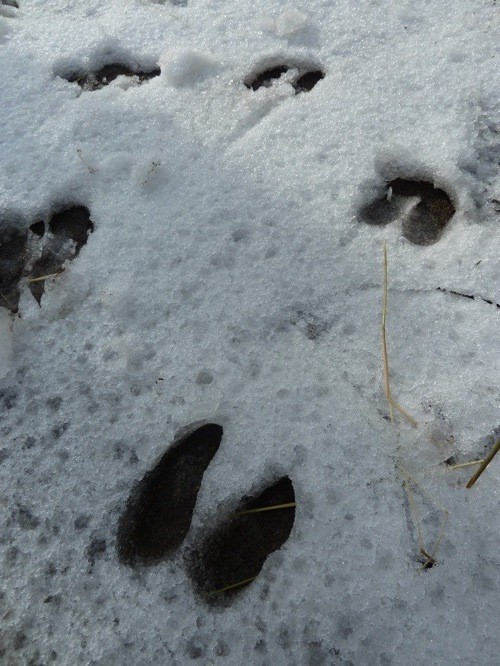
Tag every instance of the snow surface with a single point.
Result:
(228, 259)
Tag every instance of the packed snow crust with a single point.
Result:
(229, 279)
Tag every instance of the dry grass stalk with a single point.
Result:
(484, 464)
(240, 583)
(392, 403)
(44, 277)
(430, 556)
(274, 507)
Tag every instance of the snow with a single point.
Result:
(186, 68)
(5, 344)
(230, 280)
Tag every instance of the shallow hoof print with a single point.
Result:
(158, 514)
(303, 81)
(104, 76)
(69, 231)
(232, 556)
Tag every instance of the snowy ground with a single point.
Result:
(229, 259)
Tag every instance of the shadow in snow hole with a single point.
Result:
(160, 508)
(102, 77)
(424, 222)
(303, 82)
(69, 231)
(237, 548)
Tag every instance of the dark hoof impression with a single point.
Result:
(69, 230)
(100, 78)
(304, 81)
(233, 555)
(159, 510)
(424, 223)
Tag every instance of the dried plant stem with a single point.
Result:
(430, 556)
(484, 465)
(415, 513)
(233, 586)
(273, 507)
(44, 277)
(465, 464)
(392, 403)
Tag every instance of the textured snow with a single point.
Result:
(229, 279)
(5, 344)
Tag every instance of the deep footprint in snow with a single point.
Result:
(102, 77)
(234, 553)
(304, 81)
(424, 222)
(160, 508)
(69, 230)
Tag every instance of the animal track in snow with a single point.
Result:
(68, 231)
(158, 515)
(159, 511)
(304, 81)
(426, 219)
(108, 73)
(233, 554)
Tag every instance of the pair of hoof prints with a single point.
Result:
(158, 515)
(39, 251)
(424, 210)
(304, 80)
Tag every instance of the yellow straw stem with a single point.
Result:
(233, 586)
(384, 339)
(273, 507)
(484, 465)
(392, 403)
(465, 464)
(44, 277)
(430, 556)
(402, 411)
